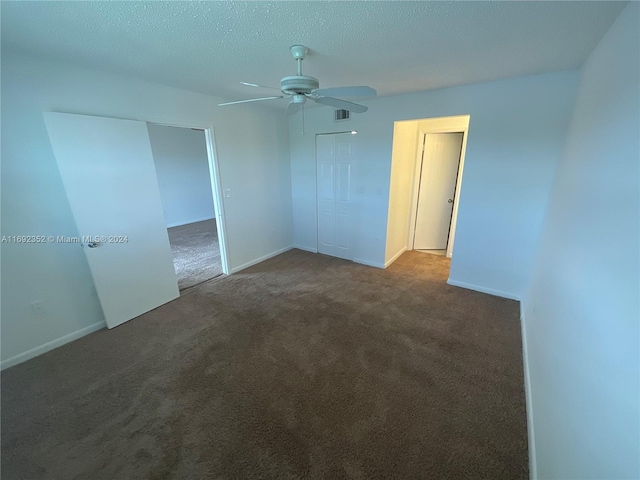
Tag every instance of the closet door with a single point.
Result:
(335, 158)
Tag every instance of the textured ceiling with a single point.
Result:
(395, 47)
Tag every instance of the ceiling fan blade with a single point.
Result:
(346, 92)
(250, 100)
(293, 108)
(259, 86)
(335, 102)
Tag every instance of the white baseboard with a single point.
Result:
(478, 288)
(34, 352)
(368, 263)
(533, 467)
(395, 257)
(195, 220)
(261, 259)
(306, 249)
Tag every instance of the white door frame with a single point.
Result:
(457, 124)
(216, 187)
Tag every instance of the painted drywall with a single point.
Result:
(516, 133)
(582, 314)
(182, 168)
(403, 160)
(253, 152)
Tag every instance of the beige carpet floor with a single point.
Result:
(196, 252)
(302, 367)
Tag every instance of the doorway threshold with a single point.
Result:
(434, 252)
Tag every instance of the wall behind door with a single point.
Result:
(582, 313)
(252, 145)
(182, 168)
(404, 154)
(516, 134)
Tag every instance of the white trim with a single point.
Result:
(456, 195)
(315, 173)
(413, 212)
(195, 220)
(368, 263)
(478, 288)
(218, 200)
(533, 466)
(395, 257)
(306, 249)
(261, 259)
(34, 352)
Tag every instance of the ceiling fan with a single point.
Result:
(302, 87)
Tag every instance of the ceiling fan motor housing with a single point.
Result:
(298, 85)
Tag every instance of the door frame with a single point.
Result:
(216, 187)
(457, 124)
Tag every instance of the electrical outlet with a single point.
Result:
(92, 291)
(38, 307)
(227, 193)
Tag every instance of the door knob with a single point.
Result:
(450, 200)
(93, 244)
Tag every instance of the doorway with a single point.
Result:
(188, 202)
(438, 173)
(457, 129)
(108, 171)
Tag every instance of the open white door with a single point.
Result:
(108, 172)
(440, 159)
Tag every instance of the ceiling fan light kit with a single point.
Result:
(300, 88)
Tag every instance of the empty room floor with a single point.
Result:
(196, 252)
(302, 367)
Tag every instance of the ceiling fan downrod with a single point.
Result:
(299, 52)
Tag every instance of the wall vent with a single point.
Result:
(341, 115)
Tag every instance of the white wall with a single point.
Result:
(516, 133)
(182, 168)
(582, 315)
(403, 160)
(253, 151)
